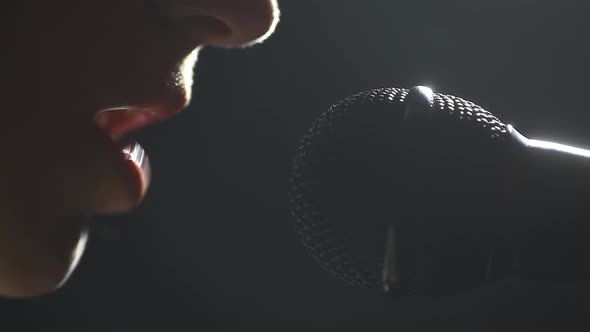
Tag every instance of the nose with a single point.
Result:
(225, 23)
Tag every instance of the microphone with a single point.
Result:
(427, 194)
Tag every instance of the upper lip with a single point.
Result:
(119, 121)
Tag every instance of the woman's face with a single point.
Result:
(77, 76)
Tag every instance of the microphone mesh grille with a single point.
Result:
(473, 114)
(357, 256)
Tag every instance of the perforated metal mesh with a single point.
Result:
(471, 114)
(348, 164)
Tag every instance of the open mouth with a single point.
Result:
(117, 123)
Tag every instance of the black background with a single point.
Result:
(213, 247)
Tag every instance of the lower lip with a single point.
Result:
(139, 165)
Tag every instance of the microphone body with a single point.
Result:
(429, 194)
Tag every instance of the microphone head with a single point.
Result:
(428, 164)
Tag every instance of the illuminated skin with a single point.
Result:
(64, 61)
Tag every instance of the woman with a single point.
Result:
(77, 77)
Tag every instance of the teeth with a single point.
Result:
(134, 152)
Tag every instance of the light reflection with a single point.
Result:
(548, 145)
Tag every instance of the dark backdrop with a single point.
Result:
(213, 248)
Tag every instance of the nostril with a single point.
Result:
(225, 23)
(207, 29)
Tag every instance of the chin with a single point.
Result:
(36, 270)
